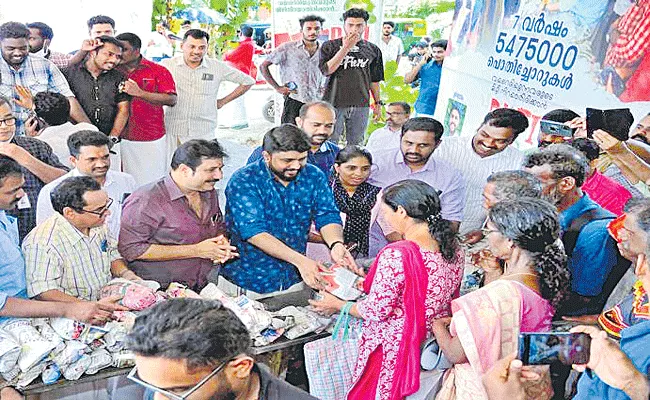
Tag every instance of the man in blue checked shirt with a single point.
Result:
(270, 206)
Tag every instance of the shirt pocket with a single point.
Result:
(36, 84)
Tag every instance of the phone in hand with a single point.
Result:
(608, 120)
(556, 129)
(540, 348)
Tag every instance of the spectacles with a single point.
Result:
(485, 231)
(101, 212)
(390, 114)
(9, 121)
(133, 376)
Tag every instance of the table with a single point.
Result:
(261, 354)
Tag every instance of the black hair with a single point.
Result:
(532, 225)
(422, 44)
(310, 18)
(196, 34)
(286, 137)
(105, 39)
(352, 151)
(70, 192)
(507, 118)
(8, 166)
(390, 23)
(193, 152)
(187, 22)
(422, 202)
(588, 147)
(405, 106)
(442, 43)
(561, 115)
(53, 107)
(100, 19)
(640, 207)
(44, 29)
(356, 13)
(246, 30)
(132, 38)
(202, 333)
(564, 160)
(13, 30)
(86, 138)
(511, 185)
(318, 103)
(424, 124)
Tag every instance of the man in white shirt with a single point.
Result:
(477, 157)
(390, 45)
(54, 109)
(90, 156)
(388, 137)
(197, 84)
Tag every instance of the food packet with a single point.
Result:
(51, 374)
(176, 290)
(34, 347)
(68, 329)
(123, 359)
(72, 352)
(100, 359)
(267, 336)
(114, 338)
(11, 376)
(92, 333)
(74, 371)
(135, 296)
(9, 352)
(49, 334)
(27, 377)
(341, 282)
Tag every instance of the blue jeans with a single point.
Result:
(353, 121)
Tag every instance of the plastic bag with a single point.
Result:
(68, 329)
(74, 371)
(72, 352)
(100, 359)
(27, 377)
(92, 333)
(51, 374)
(9, 352)
(49, 334)
(135, 296)
(34, 347)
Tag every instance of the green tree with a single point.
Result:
(426, 8)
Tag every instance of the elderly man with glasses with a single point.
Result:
(201, 351)
(71, 256)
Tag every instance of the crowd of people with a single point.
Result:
(555, 236)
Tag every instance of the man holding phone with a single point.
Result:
(428, 71)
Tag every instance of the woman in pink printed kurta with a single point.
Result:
(411, 283)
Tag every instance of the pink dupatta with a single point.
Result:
(406, 379)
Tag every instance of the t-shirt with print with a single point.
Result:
(349, 85)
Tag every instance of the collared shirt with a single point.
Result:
(323, 158)
(258, 203)
(147, 120)
(59, 257)
(296, 65)
(608, 193)
(57, 137)
(99, 96)
(389, 167)
(117, 185)
(429, 76)
(61, 60)
(384, 139)
(159, 213)
(391, 50)
(242, 56)
(33, 184)
(594, 254)
(195, 112)
(274, 388)
(12, 264)
(38, 75)
(458, 151)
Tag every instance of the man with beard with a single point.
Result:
(298, 63)
(592, 255)
(172, 230)
(90, 157)
(99, 87)
(22, 71)
(202, 351)
(388, 137)
(40, 38)
(642, 130)
(421, 136)
(271, 206)
(428, 71)
(490, 150)
(39, 163)
(390, 45)
(317, 120)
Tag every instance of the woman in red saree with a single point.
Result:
(411, 283)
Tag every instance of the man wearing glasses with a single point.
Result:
(388, 137)
(71, 256)
(200, 352)
(90, 156)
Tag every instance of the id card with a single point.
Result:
(207, 77)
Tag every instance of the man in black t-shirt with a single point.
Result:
(354, 68)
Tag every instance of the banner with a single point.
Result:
(538, 55)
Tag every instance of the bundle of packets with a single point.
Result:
(58, 347)
(341, 282)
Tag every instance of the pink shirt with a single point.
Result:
(608, 193)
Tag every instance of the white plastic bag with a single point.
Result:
(9, 352)
(34, 347)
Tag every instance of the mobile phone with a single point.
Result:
(541, 348)
(595, 121)
(556, 129)
(608, 120)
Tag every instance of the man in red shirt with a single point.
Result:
(240, 58)
(144, 151)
